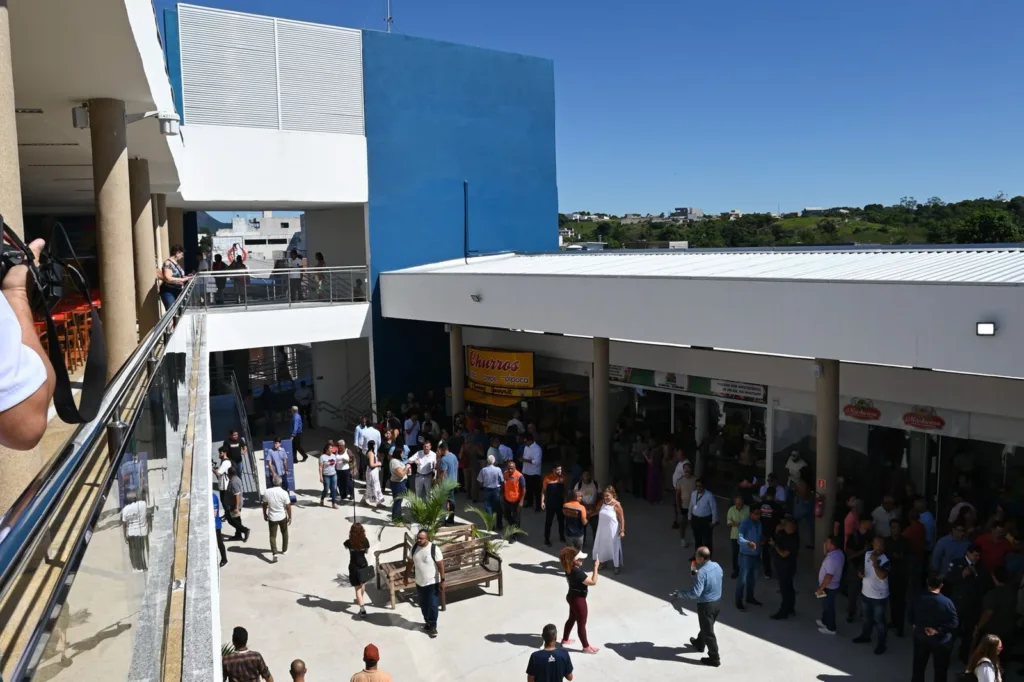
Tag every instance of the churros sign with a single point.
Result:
(499, 368)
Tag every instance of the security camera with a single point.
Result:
(169, 123)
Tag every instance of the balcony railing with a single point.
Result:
(281, 287)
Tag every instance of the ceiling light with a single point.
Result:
(986, 329)
(28, 111)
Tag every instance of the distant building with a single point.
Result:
(260, 241)
(687, 213)
(673, 245)
(733, 214)
(636, 219)
(812, 210)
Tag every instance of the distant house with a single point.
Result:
(687, 213)
(635, 219)
(812, 210)
(733, 214)
(674, 245)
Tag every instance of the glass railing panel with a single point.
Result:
(281, 286)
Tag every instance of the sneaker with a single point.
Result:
(591, 650)
(567, 642)
(547, 542)
(740, 607)
(617, 569)
(825, 631)
(432, 632)
(284, 553)
(779, 616)
(245, 537)
(711, 662)
(819, 623)
(362, 613)
(274, 560)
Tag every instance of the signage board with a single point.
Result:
(499, 368)
(923, 418)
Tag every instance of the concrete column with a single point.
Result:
(175, 226)
(146, 306)
(700, 432)
(163, 244)
(600, 433)
(826, 395)
(457, 358)
(10, 171)
(113, 227)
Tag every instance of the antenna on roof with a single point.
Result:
(388, 20)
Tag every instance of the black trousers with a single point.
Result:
(344, 483)
(786, 576)
(297, 448)
(639, 470)
(533, 492)
(707, 614)
(766, 558)
(968, 620)
(307, 414)
(701, 531)
(236, 523)
(940, 655)
(511, 511)
(555, 512)
(898, 601)
(220, 546)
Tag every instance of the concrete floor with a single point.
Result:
(302, 607)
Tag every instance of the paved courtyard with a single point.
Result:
(302, 607)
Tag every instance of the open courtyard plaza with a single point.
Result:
(303, 607)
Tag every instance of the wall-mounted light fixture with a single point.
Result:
(476, 298)
(985, 329)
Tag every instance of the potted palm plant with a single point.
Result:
(429, 513)
(495, 542)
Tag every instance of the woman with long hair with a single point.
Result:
(611, 528)
(374, 496)
(579, 584)
(984, 662)
(358, 546)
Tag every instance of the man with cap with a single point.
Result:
(371, 656)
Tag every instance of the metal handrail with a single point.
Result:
(246, 272)
(248, 284)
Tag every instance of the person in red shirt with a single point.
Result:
(513, 493)
(994, 546)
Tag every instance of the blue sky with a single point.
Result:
(750, 104)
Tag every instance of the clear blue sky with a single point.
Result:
(750, 104)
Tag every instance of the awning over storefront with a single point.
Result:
(475, 396)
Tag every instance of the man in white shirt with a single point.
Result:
(516, 422)
(135, 526)
(360, 433)
(221, 472)
(26, 375)
(426, 463)
(412, 430)
(874, 594)
(533, 459)
(429, 428)
(295, 276)
(795, 466)
(304, 397)
(883, 515)
(277, 512)
(428, 562)
(343, 465)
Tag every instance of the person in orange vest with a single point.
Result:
(513, 492)
(575, 515)
(552, 497)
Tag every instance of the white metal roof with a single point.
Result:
(993, 266)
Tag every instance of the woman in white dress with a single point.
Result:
(374, 496)
(611, 528)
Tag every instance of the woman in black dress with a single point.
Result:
(358, 547)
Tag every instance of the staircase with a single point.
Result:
(344, 415)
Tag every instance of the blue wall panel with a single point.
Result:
(172, 57)
(437, 115)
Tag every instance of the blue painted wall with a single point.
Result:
(172, 56)
(438, 114)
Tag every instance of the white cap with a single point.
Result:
(580, 556)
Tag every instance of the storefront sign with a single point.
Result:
(499, 368)
(902, 416)
(862, 410)
(535, 392)
(736, 390)
(647, 377)
(687, 383)
(924, 419)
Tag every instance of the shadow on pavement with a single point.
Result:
(543, 568)
(634, 650)
(517, 639)
(253, 551)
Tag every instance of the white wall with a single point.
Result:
(338, 233)
(255, 328)
(246, 167)
(962, 392)
(927, 325)
(337, 366)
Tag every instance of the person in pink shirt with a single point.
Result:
(852, 520)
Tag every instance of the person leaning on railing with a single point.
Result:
(26, 375)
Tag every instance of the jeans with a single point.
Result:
(747, 578)
(874, 617)
(707, 614)
(577, 617)
(492, 505)
(274, 526)
(430, 599)
(940, 655)
(735, 546)
(397, 490)
(168, 297)
(828, 609)
(330, 486)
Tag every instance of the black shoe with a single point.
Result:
(223, 563)
(693, 643)
(779, 616)
(740, 607)
(245, 538)
(754, 602)
(711, 662)
(861, 640)
(432, 632)
(879, 650)
(425, 628)
(547, 542)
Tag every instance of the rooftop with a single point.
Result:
(996, 265)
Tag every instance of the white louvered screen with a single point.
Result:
(245, 70)
(228, 68)
(320, 69)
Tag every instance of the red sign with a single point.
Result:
(924, 418)
(862, 410)
(821, 483)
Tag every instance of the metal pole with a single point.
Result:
(388, 19)
(117, 430)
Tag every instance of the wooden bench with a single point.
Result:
(466, 560)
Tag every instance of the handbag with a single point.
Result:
(365, 575)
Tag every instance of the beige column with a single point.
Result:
(826, 393)
(163, 244)
(10, 172)
(113, 229)
(599, 428)
(146, 306)
(175, 226)
(457, 359)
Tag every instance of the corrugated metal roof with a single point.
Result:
(998, 266)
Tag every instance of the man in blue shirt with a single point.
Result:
(703, 515)
(949, 547)
(750, 540)
(491, 479)
(928, 521)
(277, 463)
(297, 435)
(935, 624)
(449, 468)
(707, 591)
(550, 664)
